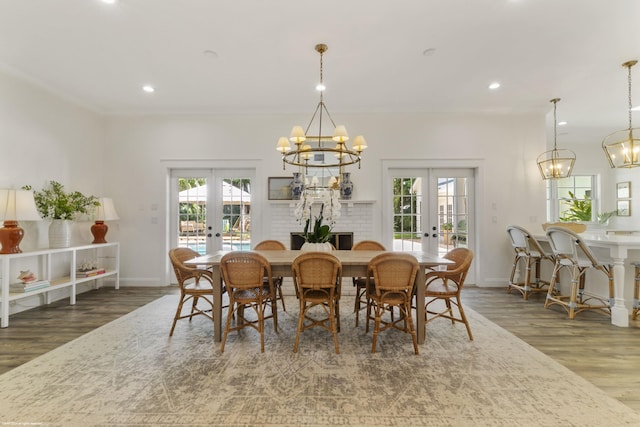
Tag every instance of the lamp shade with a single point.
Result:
(359, 143)
(340, 134)
(106, 211)
(18, 205)
(15, 205)
(297, 135)
(283, 145)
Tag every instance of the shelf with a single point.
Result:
(46, 261)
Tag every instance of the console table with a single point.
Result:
(58, 266)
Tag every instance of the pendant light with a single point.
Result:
(621, 147)
(556, 163)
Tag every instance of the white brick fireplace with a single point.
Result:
(357, 216)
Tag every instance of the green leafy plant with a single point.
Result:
(579, 209)
(321, 233)
(55, 203)
(603, 217)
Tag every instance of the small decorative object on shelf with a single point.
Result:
(346, 186)
(27, 276)
(297, 186)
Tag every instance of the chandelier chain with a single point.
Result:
(630, 64)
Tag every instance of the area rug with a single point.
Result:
(131, 373)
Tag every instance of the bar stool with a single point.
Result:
(573, 254)
(636, 291)
(529, 254)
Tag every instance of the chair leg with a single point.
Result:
(376, 327)
(333, 318)
(177, 316)
(230, 315)
(281, 295)
(303, 308)
(464, 318)
(260, 308)
(193, 307)
(575, 280)
(409, 322)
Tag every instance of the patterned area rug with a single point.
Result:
(129, 372)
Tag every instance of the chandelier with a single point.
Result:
(621, 147)
(319, 151)
(555, 164)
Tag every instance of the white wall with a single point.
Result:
(510, 190)
(125, 157)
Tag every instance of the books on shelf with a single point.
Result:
(30, 286)
(89, 273)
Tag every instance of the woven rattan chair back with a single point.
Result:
(243, 274)
(317, 277)
(528, 256)
(572, 254)
(195, 284)
(270, 245)
(360, 283)
(394, 275)
(446, 285)
(274, 245)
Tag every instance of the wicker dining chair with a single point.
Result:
(196, 284)
(390, 283)
(317, 277)
(243, 274)
(528, 255)
(273, 245)
(446, 286)
(574, 255)
(361, 282)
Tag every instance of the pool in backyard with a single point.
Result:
(201, 248)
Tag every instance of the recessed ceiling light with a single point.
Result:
(211, 54)
(148, 88)
(109, 1)
(429, 52)
(562, 123)
(494, 85)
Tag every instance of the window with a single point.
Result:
(571, 199)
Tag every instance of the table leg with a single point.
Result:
(217, 304)
(619, 312)
(420, 281)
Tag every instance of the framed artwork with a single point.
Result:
(623, 190)
(279, 188)
(624, 207)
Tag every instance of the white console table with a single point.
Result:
(618, 247)
(58, 266)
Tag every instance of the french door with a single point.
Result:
(211, 209)
(431, 209)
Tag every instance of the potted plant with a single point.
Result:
(61, 207)
(316, 231)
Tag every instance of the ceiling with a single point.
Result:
(262, 60)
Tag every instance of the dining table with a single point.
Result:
(354, 264)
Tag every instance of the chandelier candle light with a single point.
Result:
(317, 151)
(555, 164)
(621, 147)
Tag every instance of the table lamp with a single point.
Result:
(15, 205)
(105, 212)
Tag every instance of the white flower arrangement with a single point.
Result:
(329, 211)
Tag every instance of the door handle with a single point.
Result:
(217, 234)
(434, 235)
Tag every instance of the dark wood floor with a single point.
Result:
(606, 355)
